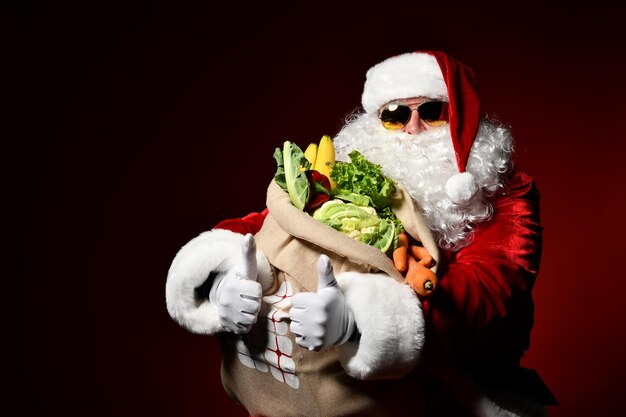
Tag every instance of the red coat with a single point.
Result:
(482, 313)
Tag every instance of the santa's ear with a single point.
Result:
(461, 187)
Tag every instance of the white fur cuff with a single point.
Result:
(390, 319)
(214, 251)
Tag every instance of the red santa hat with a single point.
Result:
(430, 74)
(435, 75)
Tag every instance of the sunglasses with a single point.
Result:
(396, 116)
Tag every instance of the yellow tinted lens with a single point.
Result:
(435, 113)
(395, 116)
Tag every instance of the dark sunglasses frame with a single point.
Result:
(395, 116)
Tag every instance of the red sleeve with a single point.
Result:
(249, 224)
(484, 295)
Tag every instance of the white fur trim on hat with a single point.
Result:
(389, 317)
(461, 187)
(214, 251)
(403, 76)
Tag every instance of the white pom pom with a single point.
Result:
(461, 187)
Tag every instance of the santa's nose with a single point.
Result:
(414, 126)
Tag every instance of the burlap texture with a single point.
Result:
(293, 241)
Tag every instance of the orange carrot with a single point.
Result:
(420, 278)
(400, 253)
(421, 254)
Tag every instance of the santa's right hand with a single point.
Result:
(237, 295)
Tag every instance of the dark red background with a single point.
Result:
(139, 126)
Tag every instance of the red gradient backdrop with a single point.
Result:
(140, 126)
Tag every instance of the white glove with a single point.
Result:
(237, 294)
(321, 319)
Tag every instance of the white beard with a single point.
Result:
(423, 163)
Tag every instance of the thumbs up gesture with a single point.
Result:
(321, 319)
(238, 294)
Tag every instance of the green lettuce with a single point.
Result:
(361, 177)
(358, 199)
(363, 183)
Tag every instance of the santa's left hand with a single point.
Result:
(322, 319)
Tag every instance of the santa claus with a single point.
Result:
(378, 347)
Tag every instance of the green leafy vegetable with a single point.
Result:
(358, 199)
(388, 215)
(353, 216)
(359, 222)
(382, 237)
(289, 176)
(279, 176)
(359, 176)
(363, 183)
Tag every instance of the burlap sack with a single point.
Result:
(266, 371)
